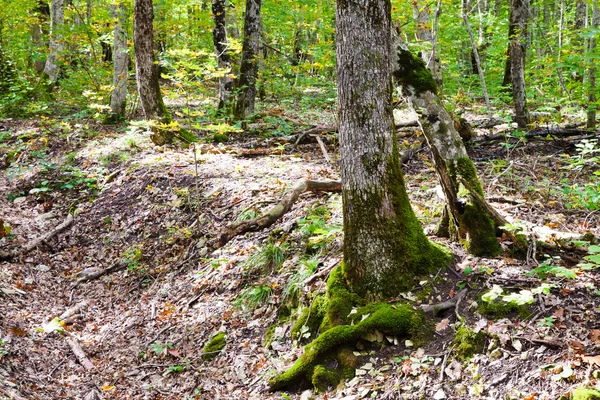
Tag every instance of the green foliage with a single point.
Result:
(253, 297)
(585, 195)
(547, 268)
(3, 350)
(160, 348)
(294, 284)
(268, 258)
(133, 258)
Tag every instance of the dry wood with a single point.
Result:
(273, 214)
(4, 256)
(446, 305)
(73, 310)
(554, 131)
(91, 274)
(80, 354)
(323, 272)
(323, 148)
(93, 395)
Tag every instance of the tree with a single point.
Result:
(120, 62)
(146, 70)
(384, 244)
(57, 21)
(427, 34)
(246, 84)
(592, 107)
(222, 52)
(518, 15)
(464, 217)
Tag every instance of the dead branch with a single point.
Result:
(446, 305)
(8, 255)
(73, 310)
(323, 272)
(80, 354)
(323, 148)
(90, 274)
(554, 131)
(273, 214)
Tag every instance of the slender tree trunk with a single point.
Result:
(249, 67)
(517, 61)
(425, 34)
(120, 61)
(41, 15)
(591, 114)
(57, 21)
(512, 31)
(476, 56)
(146, 69)
(222, 52)
(384, 243)
(468, 220)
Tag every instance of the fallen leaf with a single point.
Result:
(592, 360)
(575, 345)
(530, 397)
(559, 313)
(443, 324)
(595, 335)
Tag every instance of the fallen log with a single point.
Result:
(553, 131)
(8, 255)
(90, 274)
(270, 216)
(80, 354)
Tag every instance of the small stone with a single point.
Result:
(306, 395)
(439, 395)
(497, 353)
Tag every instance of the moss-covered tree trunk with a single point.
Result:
(468, 220)
(246, 84)
(222, 52)
(120, 61)
(146, 70)
(384, 243)
(427, 34)
(57, 21)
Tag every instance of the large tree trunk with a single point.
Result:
(222, 52)
(120, 61)
(468, 220)
(146, 70)
(384, 243)
(591, 113)
(57, 21)
(249, 67)
(517, 61)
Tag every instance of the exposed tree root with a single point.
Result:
(446, 305)
(7, 255)
(269, 217)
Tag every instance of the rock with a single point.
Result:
(439, 395)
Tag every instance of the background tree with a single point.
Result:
(222, 52)
(146, 69)
(57, 20)
(246, 85)
(517, 50)
(118, 96)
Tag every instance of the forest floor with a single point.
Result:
(155, 214)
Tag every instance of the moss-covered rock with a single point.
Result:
(214, 346)
(585, 394)
(220, 138)
(467, 342)
(501, 309)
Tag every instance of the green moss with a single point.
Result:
(268, 336)
(467, 343)
(396, 233)
(311, 317)
(502, 309)
(585, 394)
(394, 320)
(348, 362)
(213, 347)
(341, 300)
(323, 378)
(475, 220)
(220, 138)
(412, 72)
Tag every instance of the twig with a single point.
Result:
(323, 148)
(36, 242)
(446, 305)
(80, 354)
(166, 328)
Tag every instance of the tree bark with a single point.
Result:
(249, 67)
(118, 96)
(146, 69)
(57, 21)
(384, 244)
(468, 220)
(427, 35)
(592, 107)
(517, 61)
(222, 52)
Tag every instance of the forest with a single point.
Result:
(310, 199)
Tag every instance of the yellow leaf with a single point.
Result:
(106, 388)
